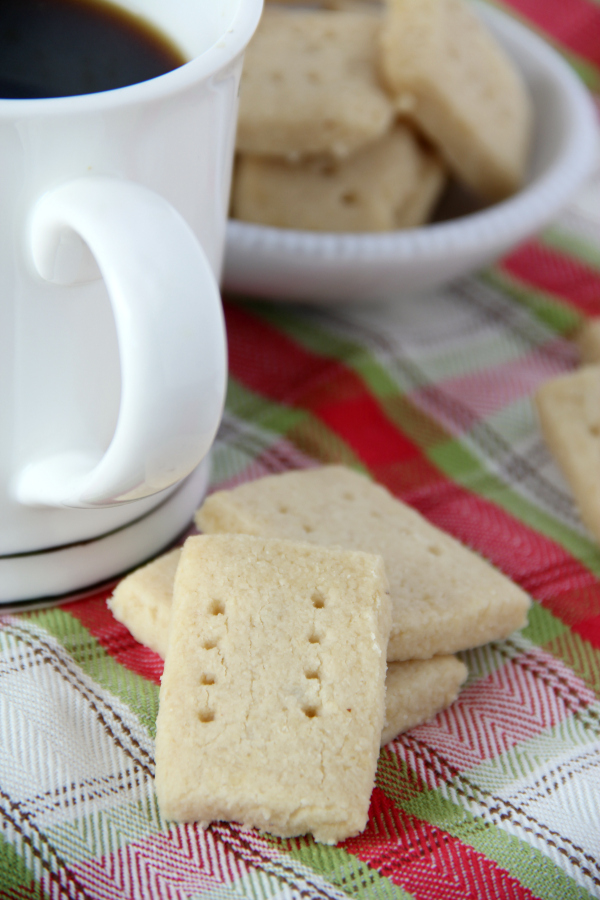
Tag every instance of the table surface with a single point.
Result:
(499, 796)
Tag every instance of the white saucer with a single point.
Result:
(286, 265)
(45, 578)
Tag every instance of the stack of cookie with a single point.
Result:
(275, 626)
(351, 118)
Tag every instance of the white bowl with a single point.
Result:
(285, 265)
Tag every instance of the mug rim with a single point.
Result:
(226, 48)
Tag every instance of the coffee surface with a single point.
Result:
(59, 48)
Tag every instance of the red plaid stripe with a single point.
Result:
(556, 273)
(575, 23)
(426, 861)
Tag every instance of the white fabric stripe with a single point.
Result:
(70, 749)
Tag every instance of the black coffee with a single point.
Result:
(58, 48)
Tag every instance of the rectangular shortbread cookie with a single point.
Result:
(569, 414)
(142, 601)
(445, 598)
(310, 85)
(272, 696)
(421, 202)
(417, 689)
(414, 691)
(588, 340)
(392, 183)
(373, 6)
(452, 79)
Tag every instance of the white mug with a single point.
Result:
(113, 209)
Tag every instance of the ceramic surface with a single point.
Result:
(36, 579)
(112, 343)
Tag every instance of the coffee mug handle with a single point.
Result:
(172, 347)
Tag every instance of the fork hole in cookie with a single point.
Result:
(206, 715)
(217, 608)
(435, 550)
(209, 644)
(328, 169)
(312, 674)
(310, 711)
(207, 678)
(307, 528)
(318, 600)
(314, 638)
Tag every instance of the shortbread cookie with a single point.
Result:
(142, 601)
(445, 598)
(452, 79)
(589, 342)
(309, 85)
(422, 201)
(569, 414)
(392, 183)
(272, 696)
(416, 690)
(373, 6)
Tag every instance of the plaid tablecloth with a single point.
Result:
(498, 797)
